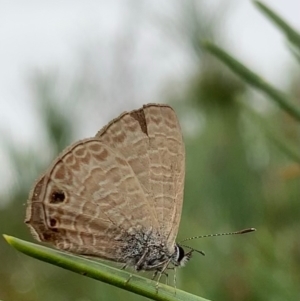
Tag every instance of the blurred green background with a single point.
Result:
(236, 176)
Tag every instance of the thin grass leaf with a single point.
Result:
(292, 35)
(253, 79)
(294, 51)
(99, 271)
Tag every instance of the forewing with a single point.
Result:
(167, 167)
(150, 140)
(87, 201)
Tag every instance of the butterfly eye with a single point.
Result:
(57, 197)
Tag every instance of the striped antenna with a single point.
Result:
(194, 250)
(244, 231)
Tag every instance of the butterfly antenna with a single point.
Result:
(193, 250)
(244, 231)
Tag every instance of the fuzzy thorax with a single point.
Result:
(148, 250)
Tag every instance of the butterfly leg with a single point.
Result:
(162, 272)
(157, 282)
(139, 263)
(154, 275)
(174, 269)
(130, 276)
(159, 273)
(126, 282)
(175, 280)
(167, 278)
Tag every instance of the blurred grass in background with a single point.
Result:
(236, 176)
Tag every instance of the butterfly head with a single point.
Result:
(181, 257)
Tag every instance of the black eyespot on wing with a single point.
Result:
(53, 222)
(57, 197)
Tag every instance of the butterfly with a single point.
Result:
(117, 196)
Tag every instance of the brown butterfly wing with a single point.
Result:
(150, 140)
(87, 200)
(129, 176)
(167, 168)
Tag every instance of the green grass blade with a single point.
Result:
(295, 51)
(281, 143)
(292, 35)
(253, 79)
(99, 271)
